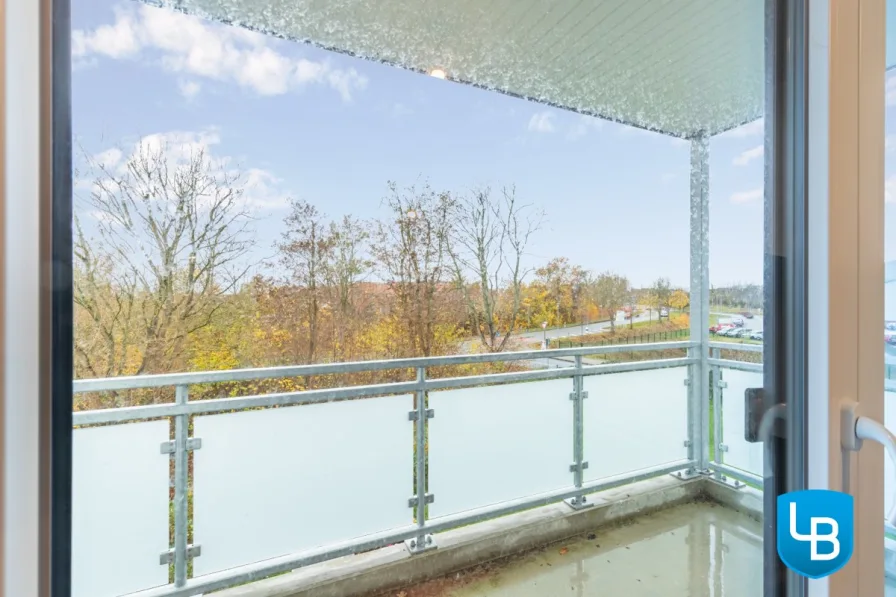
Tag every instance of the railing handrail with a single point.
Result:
(178, 379)
(217, 405)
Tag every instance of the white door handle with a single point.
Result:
(854, 429)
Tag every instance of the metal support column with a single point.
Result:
(579, 465)
(698, 393)
(420, 415)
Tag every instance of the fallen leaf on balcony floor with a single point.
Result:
(564, 551)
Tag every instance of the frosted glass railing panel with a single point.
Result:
(635, 420)
(740, 453)
(279, 481)
(119, 508)
(496, 443)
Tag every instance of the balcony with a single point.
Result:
(420, 477)
(417, 482)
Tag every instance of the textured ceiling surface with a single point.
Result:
(681, 67)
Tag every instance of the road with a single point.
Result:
(753, 324)
(576, 330)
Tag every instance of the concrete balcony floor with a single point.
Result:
(695, 549)
(661, 537)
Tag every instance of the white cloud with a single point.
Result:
(108, 159)
(187, 45)
(890, 189)
(750, 196)
(262, 190)
(748, 156)
(259, 188)
(751, 129)
(118, 40)
(583, 126)
(189, 89)
(542, 122)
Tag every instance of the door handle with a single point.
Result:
(854, 430)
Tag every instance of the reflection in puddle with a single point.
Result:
(694, 550)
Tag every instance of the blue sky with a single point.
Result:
(331, 129)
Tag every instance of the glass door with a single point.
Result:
(560, 256)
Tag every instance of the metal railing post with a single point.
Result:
(718, 393)
(179, 449)
(181, 430)
(579, 465)
(718, 446)
(420, 415)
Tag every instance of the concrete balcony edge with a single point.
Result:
(393, 567)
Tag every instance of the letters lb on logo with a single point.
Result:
(815, 531)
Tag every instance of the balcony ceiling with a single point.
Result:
(680, 67)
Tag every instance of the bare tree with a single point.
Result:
(348, 265)
(169, 238)
(305, 251)
(611, 293)
(489, 239)
(412, 248)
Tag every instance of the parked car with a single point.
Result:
(664, 312)
(729, 332)
(736, 321)
(756, 335)
(747, 314)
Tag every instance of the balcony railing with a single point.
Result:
(192, 496)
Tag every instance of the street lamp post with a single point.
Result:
(544, 330)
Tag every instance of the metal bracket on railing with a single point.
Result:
(572, 395)
(194, 443)
(687, 474)
(687, 381)
(430, 413)
(412, 502)
(723, 448)
(722, 384)
(167, 557)
(425, 543)
(574, 468)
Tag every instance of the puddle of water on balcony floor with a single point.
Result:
(693, 550)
